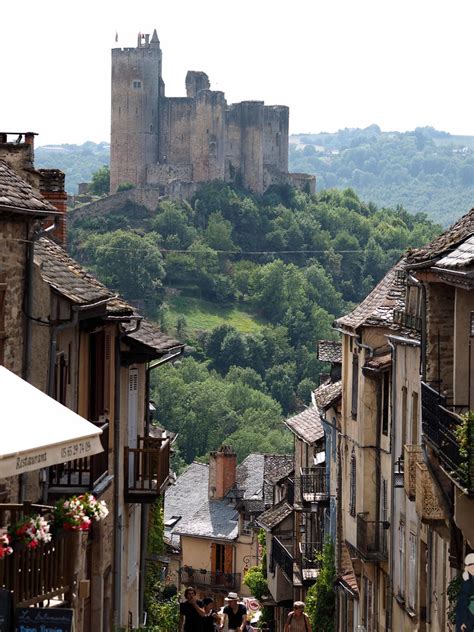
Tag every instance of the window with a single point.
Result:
(96, 375)
(368, 606)
(414, 418)
(352, 485)
(61, 378)
(412, 571)
(137, 85)
(384, 501)
(355, 385)
(221, 559)
(246, 529)
(385, 402)
(401, 559)
(404, 415)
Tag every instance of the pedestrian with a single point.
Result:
(297, 620)
(211, 620)
(191, 612)
(234, 614)
(465, 603)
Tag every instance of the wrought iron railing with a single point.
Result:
(82, 474)
(146, 469)
(411, 321)
(282, 557)
(440, 426)
(313, 484)
(311, 555)
(372, 539)
(203, 578)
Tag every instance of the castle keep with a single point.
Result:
(174, 143)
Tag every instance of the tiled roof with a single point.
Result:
(376, 310)
(18, 195)
(330, 351)
(379, 363)
(347, 575)
(275, 515)
(307, 425)
(327, 394)
(446, 242)
(460, 257)
(150, 335)
(277, 466)
(71, 280)
(213, 519)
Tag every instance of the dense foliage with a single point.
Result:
(292, 260)
(321, 598)
(425, 170)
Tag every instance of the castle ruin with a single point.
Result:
(173, 144)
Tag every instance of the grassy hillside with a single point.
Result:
(201, 315)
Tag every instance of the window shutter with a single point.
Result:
(355, 384)
(352, 483)
(107, 372)
(228, 558)
(213, 557)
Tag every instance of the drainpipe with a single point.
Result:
(392, 488)
(145, 509)
(361, 345)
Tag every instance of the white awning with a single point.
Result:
(37, 431)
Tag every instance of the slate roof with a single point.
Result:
(460, 257)
(71, 280)
(376, 310)
(327, 394)
(213, 519)
(449, 240)
(150, 335)
(277, 466)
(250, 474)
(17, 195)
(275, 515)
(330, 351)
(307, 425)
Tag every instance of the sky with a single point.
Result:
(336, 63)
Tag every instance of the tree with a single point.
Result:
(320, 598)
(100, 184)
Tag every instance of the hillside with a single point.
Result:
(424, 170)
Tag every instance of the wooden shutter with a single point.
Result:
(213, 557)
(107, 372)
(352, 483)
(228, 558)
(355, 384)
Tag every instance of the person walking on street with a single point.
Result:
(234, 614)
(297, 620)
(191, 612)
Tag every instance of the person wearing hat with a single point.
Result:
(297, 620)
(234, 614)
(465, 603)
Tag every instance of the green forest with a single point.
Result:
(270, 272)
(424, 170)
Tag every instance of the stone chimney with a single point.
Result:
(222, 472)
(52, 189)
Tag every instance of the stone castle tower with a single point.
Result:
(175, 143)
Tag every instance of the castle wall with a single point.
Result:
(136, 85)
(195, 82)
(233, 142)
(252, 145)
(207, 137)
(275, 136)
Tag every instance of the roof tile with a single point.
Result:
(17, 194)
(307, 425)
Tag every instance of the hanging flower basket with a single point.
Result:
(78, 512)
(5, 548)
(30, 531)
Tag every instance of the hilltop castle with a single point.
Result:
(175, 143)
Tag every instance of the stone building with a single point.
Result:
(174, 143)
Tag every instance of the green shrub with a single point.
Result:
(321, 598)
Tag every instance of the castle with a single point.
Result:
(173, 144)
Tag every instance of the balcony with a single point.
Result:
(81, 475)
(202, 578)
(313, 486)
(410, 321)
(282, 557)
(439, 425)
(412, 455)
(310, 564)
(427, 505)
(146, 469)
(36, 575)
(372, 539)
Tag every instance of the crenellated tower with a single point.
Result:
(137, 90)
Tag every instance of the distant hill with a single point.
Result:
(423, 170)
(78, 162)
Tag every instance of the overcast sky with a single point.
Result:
(336, 63)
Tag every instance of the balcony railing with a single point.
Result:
(407, 320)
(282, 557)
(372, 539)
(82, 474)
(203, 578)
(439, 428)
(412, 455)
(313, 484)
(310, 559)
(146, 469)
(35, 575)
(426, 501)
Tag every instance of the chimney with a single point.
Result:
(52, 189)
(222, 472)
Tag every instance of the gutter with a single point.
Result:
(392, 487)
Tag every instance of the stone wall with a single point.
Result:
(440, 328)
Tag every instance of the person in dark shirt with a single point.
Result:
(191, 612)
(235, 613)
(211, 620)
